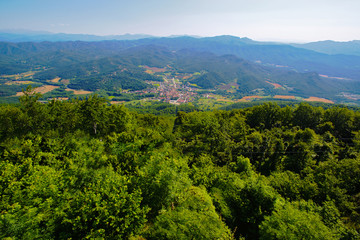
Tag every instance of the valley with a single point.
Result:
(175, 89)
(221, 70)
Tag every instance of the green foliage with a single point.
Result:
(86, 169)
(306, 116)
(255, 201)
(292, 187)
(101, 206)
(192, 217)
(80, 200)
(163, 179)
(269, 115)
(93, 114)
(11, 120)
(289, 222)
(342, 120)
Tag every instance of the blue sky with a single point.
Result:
(279, 20)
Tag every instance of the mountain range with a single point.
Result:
(314, 69)
(41, 36)
(328, 46)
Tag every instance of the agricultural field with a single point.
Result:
(19, 82)
(19, 75)
(276, 85)
(78, 92)
(55, 80)
(317, 99)
(43, 89)
(249, 98)
(284, 97)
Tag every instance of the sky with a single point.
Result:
(263, 20)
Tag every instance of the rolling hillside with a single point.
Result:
(210, 63)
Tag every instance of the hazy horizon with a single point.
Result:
(261, 20)
(42, 32)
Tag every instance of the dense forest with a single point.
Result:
(83, 168)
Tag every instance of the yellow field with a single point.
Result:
(316, 99)
(276, 85)
(55, 80)
(28, 74)
(284, 97)
(19, 76)
(42, 89)
(251, 97)
(18, 82)
(78, 92)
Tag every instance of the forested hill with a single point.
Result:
(298, 58)
(250, 67)
(303, 60)
(115, 65)
(85, 169)
(215, 71)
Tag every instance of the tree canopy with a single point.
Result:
(86, 169)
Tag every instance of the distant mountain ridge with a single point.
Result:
(332, 47)
(327, 46)
(295, 58)
(220, 60)
(21, 36)
(276, 54)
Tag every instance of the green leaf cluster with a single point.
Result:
(84, 169)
